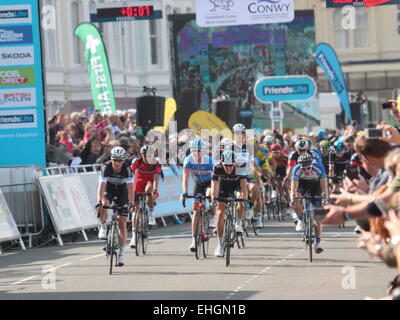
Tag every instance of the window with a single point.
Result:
(351, 38)
(341, 36)
(76, 44)
(154, 42)
(50, 36)
(361, 31)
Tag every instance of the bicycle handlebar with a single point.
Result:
(199, 197)
(230, 199)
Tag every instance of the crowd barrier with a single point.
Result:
(70, 194)
(8, 227)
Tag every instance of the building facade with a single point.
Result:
(367, 42)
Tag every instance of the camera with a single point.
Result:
(320, 213)
(372, 133)
(387, 105)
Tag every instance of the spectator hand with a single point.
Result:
(341, 199)
(334, 216)
(394, 134)
(392, 223)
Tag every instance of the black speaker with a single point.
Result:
(355, 109)
(150, 111)
(188, 105)
(245, 117)
(226, 111)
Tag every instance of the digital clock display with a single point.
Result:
(139, 11)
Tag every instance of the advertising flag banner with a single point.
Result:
(98, 68)
(22, 119)
(170, 109)
(328, 61)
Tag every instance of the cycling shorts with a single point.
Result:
(228, 189)
(201, 188)
(121, 195)
(140, 185)
(313, 189)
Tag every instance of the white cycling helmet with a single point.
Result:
(228, 157)
(269, 139)
(238, 127)
(226, 143)
(302, 145)
(118, 153)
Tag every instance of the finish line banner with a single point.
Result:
(22, 127)
(359, 3)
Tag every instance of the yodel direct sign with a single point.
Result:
(98, 68)
(274, 89)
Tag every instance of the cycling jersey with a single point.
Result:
(229, 183)
(116, 179)
(317, 173)
(281, 164)
(262, 154)
(294, 156)
(116, 185)
(310, 184)
(144, 173)
(200, 172)
(339, 164)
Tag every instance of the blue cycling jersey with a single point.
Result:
(317, 173)
(201, 172)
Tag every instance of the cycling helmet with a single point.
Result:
(305, 160)
(276, 147)
(238, 127)
(144, 150)
(339, 146)
(324, 145)
(302, 145)
(269, 139)
(253, 141)
(228, 157)
(197, 144)
(117, 153)
(226, 143)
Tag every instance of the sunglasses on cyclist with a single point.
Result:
(306, 168)
(117, 160)
(229, 165)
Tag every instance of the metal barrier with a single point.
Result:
(28, 214)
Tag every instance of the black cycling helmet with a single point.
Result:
(305, 160)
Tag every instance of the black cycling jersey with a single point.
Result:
(117, 179)
(340, 164)
(238, 173)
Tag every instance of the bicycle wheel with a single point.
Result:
(206, 236)
(254, 224)
(138, 235)
(113, 250)
(197, 234)
(227, 240)
(145, 232)
(310, 226)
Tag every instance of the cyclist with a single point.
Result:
(116, 180)
(147, 171)
(229, 176)
(308, 178)
(324, 148)
(339, 160)
(281, 160)
(254, 184)
(239, 138)
(200, 167)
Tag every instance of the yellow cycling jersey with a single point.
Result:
(262, 154)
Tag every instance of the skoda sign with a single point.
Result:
(273, 89)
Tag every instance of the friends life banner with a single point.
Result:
(359, 3)
(328, 61)
(98, 68)
(22, 118)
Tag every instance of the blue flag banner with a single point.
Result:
(328, 61)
